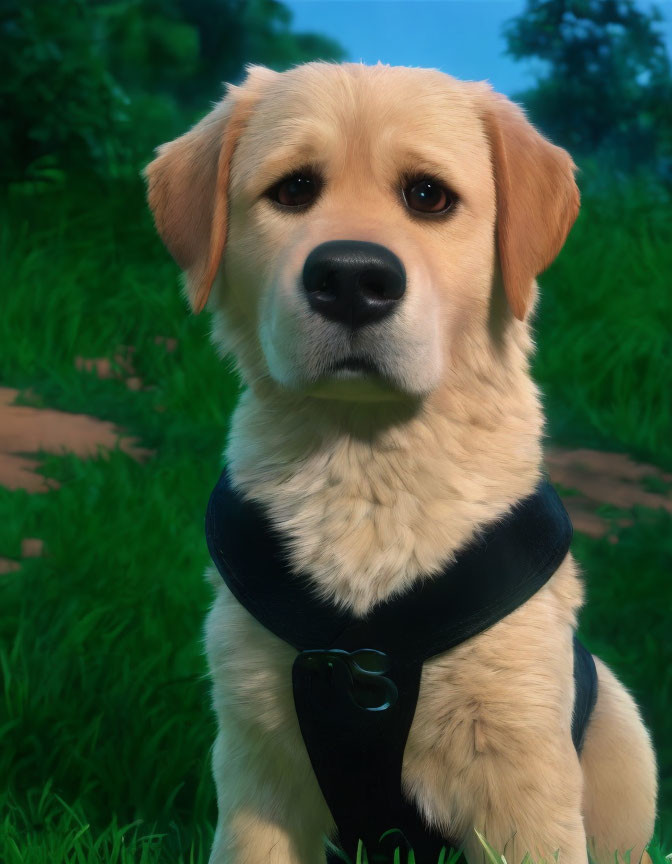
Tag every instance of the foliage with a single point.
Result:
(56, 93)
(605, 356)
(249, 31)
(92, 86)
(607, 83)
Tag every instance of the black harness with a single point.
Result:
(356, 680)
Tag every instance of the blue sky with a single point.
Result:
(461, 37)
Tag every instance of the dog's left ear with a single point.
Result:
(187, 186)
(537, 197)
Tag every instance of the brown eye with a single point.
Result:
(428, 196)
(297, 190)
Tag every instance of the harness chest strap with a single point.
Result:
(356, 680)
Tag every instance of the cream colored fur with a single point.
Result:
(378, 485)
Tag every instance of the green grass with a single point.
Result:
(105, 727)
(604, 327)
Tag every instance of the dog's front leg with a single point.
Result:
(490, 749)
(526, 802)
(266, 815)
(538, 812)
(271, 808)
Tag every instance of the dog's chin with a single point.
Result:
(355, 386)
(346, 382)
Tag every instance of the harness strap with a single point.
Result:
(503, 565)
(585, 692)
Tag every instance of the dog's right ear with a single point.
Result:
(187, 186)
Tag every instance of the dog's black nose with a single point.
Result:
(353, 282)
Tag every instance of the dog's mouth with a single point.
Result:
(355, 364)
(355, 378)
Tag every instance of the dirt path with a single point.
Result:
(597, 477)
(27, 431)
(586, 478)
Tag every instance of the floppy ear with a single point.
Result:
(537, 198)
(187, 186)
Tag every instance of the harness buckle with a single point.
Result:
(369, 687)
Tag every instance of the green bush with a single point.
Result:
(57, 96)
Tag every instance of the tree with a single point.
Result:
(235, 32)
(56, 93)
(94, 84)
(607, 85)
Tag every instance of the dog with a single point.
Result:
(381, 434)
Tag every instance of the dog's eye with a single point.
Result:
(297, 190)
(427, 195)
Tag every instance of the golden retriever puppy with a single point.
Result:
(382, 432)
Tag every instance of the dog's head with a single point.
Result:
(351, 224)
